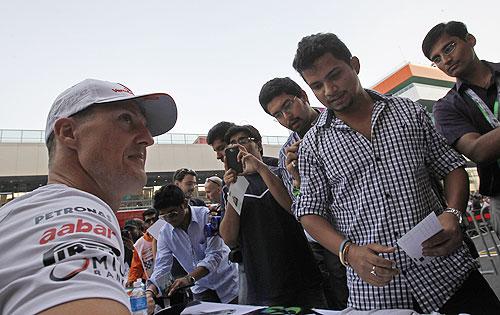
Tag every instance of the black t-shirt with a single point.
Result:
(277, 258)
(456, 114)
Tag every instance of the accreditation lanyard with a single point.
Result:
(491, 117)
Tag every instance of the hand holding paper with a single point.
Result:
(412, 241)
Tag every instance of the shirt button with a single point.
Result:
(396, 234)
(388, 195)
(378, 159)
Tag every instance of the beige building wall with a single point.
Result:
(29, 159)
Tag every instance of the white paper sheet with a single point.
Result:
(412, 241)
(237, 193)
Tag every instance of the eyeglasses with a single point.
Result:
(286, 109)
(170, 215)
(152, 220)
(243, 140)
(447, 50)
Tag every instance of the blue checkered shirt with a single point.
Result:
(377, 190)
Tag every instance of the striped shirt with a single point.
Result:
(377, 190)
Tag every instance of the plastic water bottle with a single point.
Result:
(138, 300)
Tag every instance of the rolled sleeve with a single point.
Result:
(213, 254)
(314, 188)
(441, 157)
(163, 263)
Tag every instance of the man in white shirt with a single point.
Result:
(68, 254)
(204, 257)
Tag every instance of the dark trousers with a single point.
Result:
(309, 298)
(474, 297)
(334, 277)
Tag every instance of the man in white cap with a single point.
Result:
(61, 249)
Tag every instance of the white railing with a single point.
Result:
(38, 136)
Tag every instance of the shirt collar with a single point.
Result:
(327, 118)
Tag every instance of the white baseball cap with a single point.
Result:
(159, 108)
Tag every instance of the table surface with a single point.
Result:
(231, 309)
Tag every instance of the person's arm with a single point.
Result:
(88, 306)
(189, 279)
(154, 247)
(360, 258)
(456, 185)
(163, 264)
(136, 269)
(480, 148)
(229, 228)
(214, 252)
(275, 185)
(251, 164)
(291, 163)
(443, 162)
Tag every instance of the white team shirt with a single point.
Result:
(59, 244)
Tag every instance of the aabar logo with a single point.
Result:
(125, 89)
(81, 226)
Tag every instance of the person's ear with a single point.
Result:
(303, 97)
(470, 39)
(64, 132)
(355, 64)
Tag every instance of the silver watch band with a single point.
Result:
(457, 213)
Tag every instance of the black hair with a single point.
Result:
(312, 47)
(218, 131)
(169, 196)
(452, 28)
(149, 211)
(250, 130)
(276, 87)
(132, 223)
(181, 173)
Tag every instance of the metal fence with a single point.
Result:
(38, 136)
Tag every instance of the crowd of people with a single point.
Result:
(317, 227)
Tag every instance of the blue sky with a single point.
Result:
(211, 56)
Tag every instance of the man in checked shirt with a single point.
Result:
(369, 163)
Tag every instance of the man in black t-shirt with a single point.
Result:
(468, 115)
(280, 267)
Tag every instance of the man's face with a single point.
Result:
(135, 232)
(453, 55)
(242, 138)
(219, 146)
(149, 220)
(334, 82)
(213, 191)
(290, 111)
(187, 185)
(110, 146)
(174, 215)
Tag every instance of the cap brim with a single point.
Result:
(159, 109)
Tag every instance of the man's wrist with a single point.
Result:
(456, 213)
(190, 279)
